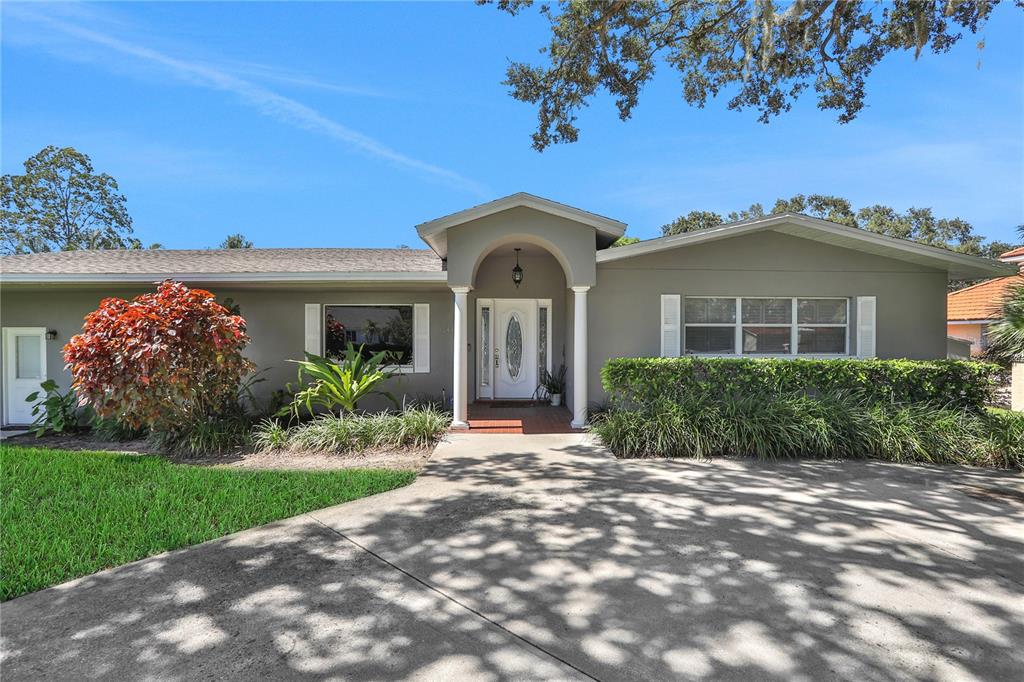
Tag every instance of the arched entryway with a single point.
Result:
(558, 244)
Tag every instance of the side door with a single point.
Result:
(24, 366)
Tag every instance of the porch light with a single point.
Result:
(517, 272)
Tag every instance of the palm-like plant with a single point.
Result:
(1006, 337)
(330, 385)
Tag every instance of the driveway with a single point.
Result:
(541, 557)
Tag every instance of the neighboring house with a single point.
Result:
(784, 285)
(969, 311)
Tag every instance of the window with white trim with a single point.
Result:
(752, 326)
(374, 327)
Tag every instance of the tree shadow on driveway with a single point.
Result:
(548, 559)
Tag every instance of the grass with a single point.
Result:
(830, 425)
(67, 514)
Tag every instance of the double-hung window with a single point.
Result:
(770, 326)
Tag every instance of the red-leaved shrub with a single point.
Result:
(163, 360)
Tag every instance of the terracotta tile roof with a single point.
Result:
(981, 301)
(207, 261)
(1014, 253)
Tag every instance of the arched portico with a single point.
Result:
(477, 245)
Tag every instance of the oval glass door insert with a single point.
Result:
(514, 346)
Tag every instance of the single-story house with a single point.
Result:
(969, 311)
(784, 285)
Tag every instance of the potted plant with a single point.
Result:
(554, 384)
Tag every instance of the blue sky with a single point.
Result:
(347, 124)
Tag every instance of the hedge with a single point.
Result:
(953, 383)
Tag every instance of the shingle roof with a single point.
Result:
(211, 261)
(981, 301)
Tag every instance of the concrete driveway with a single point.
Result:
(541, 557)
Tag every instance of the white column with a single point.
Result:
(460, 360)
(579, 358)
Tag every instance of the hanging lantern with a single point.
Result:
(517, 272)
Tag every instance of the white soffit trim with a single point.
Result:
(87, 278)
(957, 265)
(433, 232)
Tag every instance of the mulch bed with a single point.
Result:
(246, 457)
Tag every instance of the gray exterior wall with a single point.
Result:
(275, 319)
(624, 308)
(574, 244)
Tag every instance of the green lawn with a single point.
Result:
(67, 514)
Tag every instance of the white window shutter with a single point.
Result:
(670, 325)
(866, 326)
(313, 328)
(421, 337)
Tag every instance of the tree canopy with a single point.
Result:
(763, 54)
(236, 241)
(61, 204)
(914, 224)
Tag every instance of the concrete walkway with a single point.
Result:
(541, 557)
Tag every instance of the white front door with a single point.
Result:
(24, 369)
(515, 345)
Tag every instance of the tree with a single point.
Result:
(1006, 336)
(61, 204)
(916, 224)
(165, 360)
(625, 241)
(763, 55)
(236, 241)
(694, 220)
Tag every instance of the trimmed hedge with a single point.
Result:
(953, 383)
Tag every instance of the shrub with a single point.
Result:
(269, 434)
(114, 430)
(414, 428)
(799, 425)
(55, 411)
(342, 383)
(169, 361)
(955, 383)
(205, 437)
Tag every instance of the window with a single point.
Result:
(710, 325)
(375, 327)
(766, 326)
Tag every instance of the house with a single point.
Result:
(969, 311)
(784, 285)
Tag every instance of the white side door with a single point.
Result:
(515, 342)
(24, 369)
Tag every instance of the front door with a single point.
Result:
(515, 345)
(24, 369)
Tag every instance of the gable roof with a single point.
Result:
(434, 232)
(145, 265)
(957, 265)
(981, 301)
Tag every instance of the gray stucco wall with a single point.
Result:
(275, 320)
(624, 307)
(572, 242)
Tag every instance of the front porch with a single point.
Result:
(523, 417)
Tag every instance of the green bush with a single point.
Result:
(953, 383)
(414, 428)
(55, 411)
(799, 425)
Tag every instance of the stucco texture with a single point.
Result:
(275, 321)
(624, 307)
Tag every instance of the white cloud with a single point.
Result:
(269, 103)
